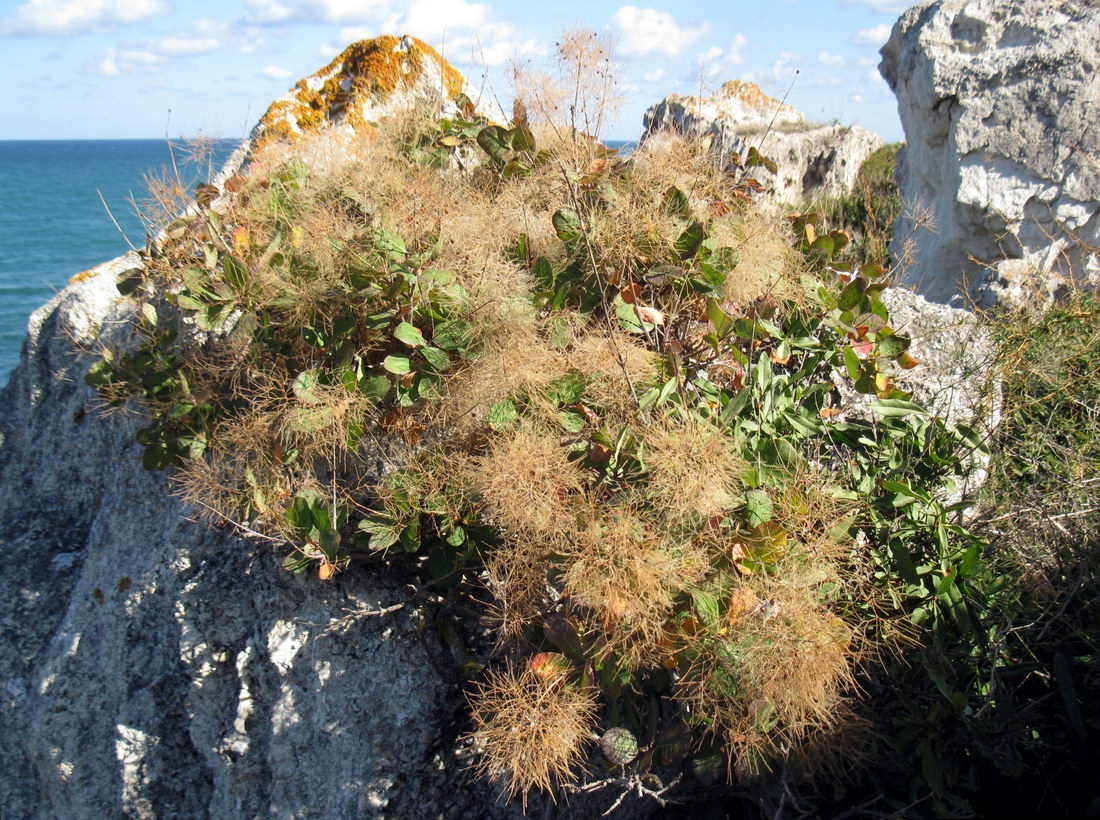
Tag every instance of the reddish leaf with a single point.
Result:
(631, 293)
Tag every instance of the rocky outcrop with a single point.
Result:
(812, 160)
(1000, 102)
(158, 666)
(366, 82)
(154, 665)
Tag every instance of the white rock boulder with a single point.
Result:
(813, 160)
(1000, 101)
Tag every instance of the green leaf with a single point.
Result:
(100, 374)
(236, 272)
(852, 294)
(806, 425)
(521, 138)
(543, 272)
(376, 387)
(567, 225)
(305, 386)
(571, 421)
(399, 365)
(310, 419)
(502, 415)
(721, 320)
(558, 332)
(690, 240)
(568, 389)
(454, 334)
(851, 362)
(677, 204)
(390, 243)
(896, 407)
(437, 359)
(408, 334)
(706, 607)
(494, 141)
(383, 534)
(758, 508)
(893, 346)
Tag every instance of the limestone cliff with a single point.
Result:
(812, 160)
(1000, 103)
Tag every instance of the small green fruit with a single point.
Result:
(619, 746)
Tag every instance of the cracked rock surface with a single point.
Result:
(156, 666)
(1000, 102)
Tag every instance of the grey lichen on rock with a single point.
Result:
(1000, 103)
(813, 159)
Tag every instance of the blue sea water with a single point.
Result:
(53, 225)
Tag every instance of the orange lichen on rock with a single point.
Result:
(751, 95)
(355, 89)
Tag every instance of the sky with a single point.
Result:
(115, 69)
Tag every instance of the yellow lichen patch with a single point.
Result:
(750, 94)
(83, 276)
(364, 75)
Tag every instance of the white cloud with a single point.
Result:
(655, 76)
(431, 19)
(250, 40)
(352, 34)
(831, 60)
(112, 61)
(61, 18)
(493, 44)
(874, 76)
(206, 35)
(857, 98)
(783, 70)
(876, 36)
(733, 56)
(275, 72)
(275, 12)
(710, 55)
(648, 31)
(269, 11)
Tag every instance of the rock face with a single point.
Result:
(157, 666)
(1000, 102)
(813, 160)
(367, 81)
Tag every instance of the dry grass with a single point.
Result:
(527, 482)
(778, 676)
(531, 730)
(767, 264)
(618, 567)
(621, 554)
(693, 470)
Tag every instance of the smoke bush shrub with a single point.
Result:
(608, 391)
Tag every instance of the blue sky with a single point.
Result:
(100, 69)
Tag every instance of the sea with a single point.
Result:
(59, 200)
(53, 223)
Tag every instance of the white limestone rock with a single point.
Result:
(813, 160)
(153, 665)
(1000, 101)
